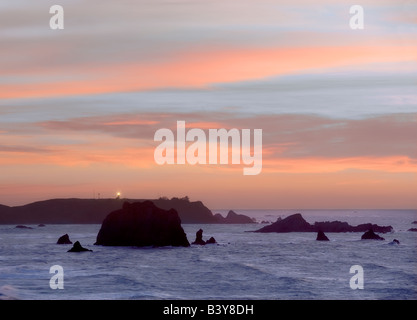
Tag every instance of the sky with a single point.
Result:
(337, 106)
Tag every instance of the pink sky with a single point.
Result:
(65, 133)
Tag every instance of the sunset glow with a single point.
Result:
(79, 107)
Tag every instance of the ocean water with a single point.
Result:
(242, 265)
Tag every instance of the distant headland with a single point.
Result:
(93, 211)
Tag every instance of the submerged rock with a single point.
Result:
(395, 241)
(412, 229)
(64, 240)
(77, 247)
(22, 227)
(321, 236)
(371, 235)
(142, 224)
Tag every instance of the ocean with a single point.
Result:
(242, 265)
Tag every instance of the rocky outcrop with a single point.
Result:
(292, 223)
(371, 235)
(142, 224)
(338, 226)
(321, 236)
(211, 241)
(412, 229)
(77, 247)
(296, 223)
(233, 218)
(64, 239)
(199, 238)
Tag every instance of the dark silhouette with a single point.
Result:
(371, 235)
(78, 248)
(395, 241)
(199, 238)
(22, 227)
(211, 241)
(64, 240)
(142, 224)
(296, 223)
(82, 211)
(321, 236)
(233, 218)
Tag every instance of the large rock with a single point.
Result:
(142, 224)
(371, 235)
(296, 223)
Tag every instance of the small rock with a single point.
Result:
(78, 248)
(211, 240)
(64, 240)
(321, 236)
(395, 241)
(370, 234)
(23, 227)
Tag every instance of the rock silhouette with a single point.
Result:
(371, 235)
(22, 227)
(296, 223)
(199, 238)
(233, 218)
(77, 247)
(321, 236)
(292, 223)
(211, 241)
(142, 224)
(64, 240)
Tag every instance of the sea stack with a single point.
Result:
(64, 240)
(199, 238)
(142, 224)
(321, 236)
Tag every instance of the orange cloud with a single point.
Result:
(201, 69)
